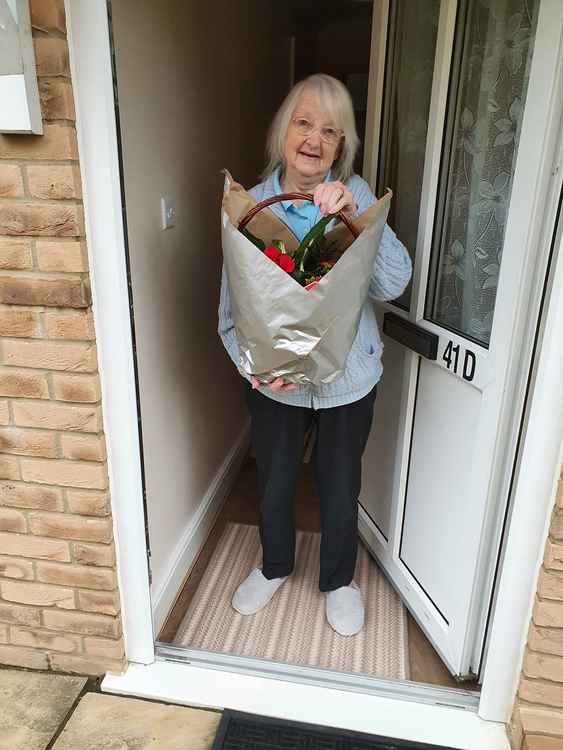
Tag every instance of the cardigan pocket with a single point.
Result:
(367, 339)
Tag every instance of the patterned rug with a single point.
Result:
(292, 628)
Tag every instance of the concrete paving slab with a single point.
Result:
(32, 705)
(110, 722)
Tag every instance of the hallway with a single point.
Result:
(241, 507)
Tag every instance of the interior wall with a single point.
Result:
(198, 83)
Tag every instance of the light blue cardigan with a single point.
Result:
(391, 274)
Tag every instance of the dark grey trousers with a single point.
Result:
(277, 434)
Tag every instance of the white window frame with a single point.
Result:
(275, 689)
(19, 92)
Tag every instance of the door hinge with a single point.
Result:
(149, 567)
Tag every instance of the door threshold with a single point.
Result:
(187, 677)
(321, 677)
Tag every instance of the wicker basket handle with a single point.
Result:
(287, 197)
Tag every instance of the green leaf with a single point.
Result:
(313, 257)
(311, 238)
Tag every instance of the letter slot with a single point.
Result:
(410, 335)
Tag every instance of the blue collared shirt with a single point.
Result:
(300, 219)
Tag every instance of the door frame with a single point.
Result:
(273, 691)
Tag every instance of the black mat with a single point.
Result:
(240, 731)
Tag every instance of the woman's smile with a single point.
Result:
(308, 154)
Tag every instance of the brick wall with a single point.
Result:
(59, 605)
(537, 722)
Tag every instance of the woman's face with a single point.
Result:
(309, 156)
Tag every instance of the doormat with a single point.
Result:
(292, 628)
(240, 731)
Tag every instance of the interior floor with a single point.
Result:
(242, 507)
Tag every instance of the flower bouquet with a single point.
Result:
(307, 263)
(296, 305)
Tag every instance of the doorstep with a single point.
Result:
(302, 701)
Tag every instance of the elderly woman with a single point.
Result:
(311, 147)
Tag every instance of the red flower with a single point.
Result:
(286, 263)
(272, 253)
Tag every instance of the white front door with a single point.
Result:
(449, 142)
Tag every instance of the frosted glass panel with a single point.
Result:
(486, 102)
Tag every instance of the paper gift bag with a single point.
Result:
(282, 329)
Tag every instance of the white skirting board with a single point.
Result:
(197, 530)
(190, 685)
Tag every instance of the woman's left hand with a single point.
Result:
(276, 385)
(332, 197)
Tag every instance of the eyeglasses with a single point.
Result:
(327, 133)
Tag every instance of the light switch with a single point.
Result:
(168, 212)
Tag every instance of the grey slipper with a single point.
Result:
(255, 592)
(345, 609)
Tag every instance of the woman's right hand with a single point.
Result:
(278, 385)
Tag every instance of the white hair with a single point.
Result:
(337, 102)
